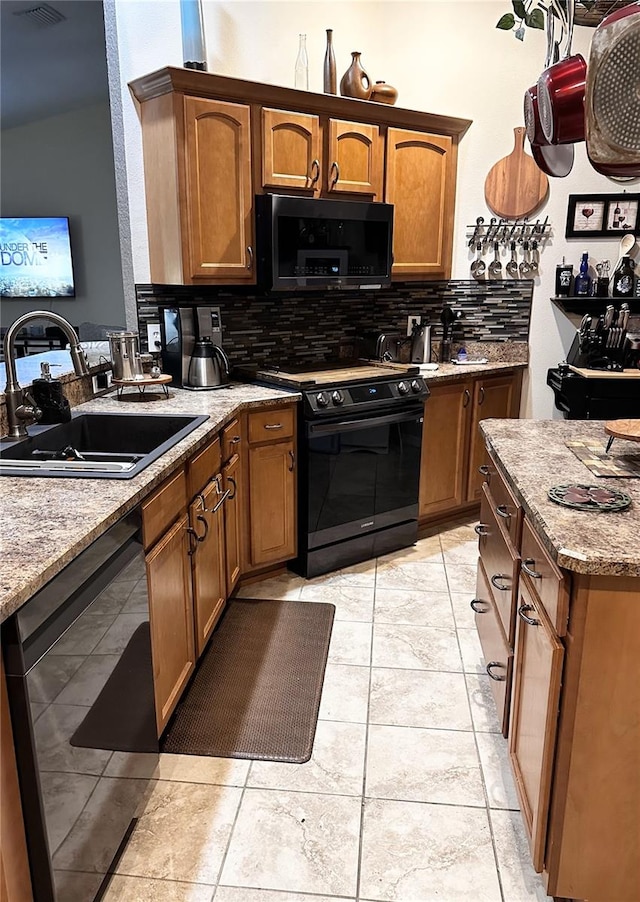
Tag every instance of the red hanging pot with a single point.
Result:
(561, 90)
(612, 98)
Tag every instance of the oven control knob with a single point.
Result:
(403, 388)
(415, 386)
(337, 397)
(322, 399)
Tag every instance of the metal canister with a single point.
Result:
(125, 355)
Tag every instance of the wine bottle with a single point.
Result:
(582, 284)
(616, 217)
(330, 82)
(302, 65)
(623, 279)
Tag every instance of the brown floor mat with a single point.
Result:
(256, 692)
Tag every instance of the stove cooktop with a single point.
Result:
(304, 376)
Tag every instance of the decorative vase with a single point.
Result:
(329, 65)
(302, 65)
(194, 52)
(355, 82)
(384, 93)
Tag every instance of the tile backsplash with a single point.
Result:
(261, 328)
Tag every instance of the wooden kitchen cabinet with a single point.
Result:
(354, 162)
(197, 162)
(497, 653)
(452, 447)
(15, 879)
(420, 182)
(271, 487)
(232, 482)
(291, 150)
(171, 618)
(206, 519)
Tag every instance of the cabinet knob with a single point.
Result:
(477, 601)
(498, 679)
(530, 620)
(526, 566)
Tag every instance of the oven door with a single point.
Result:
(363, 473)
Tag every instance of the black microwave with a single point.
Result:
(304, 242)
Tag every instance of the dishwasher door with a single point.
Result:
(80, 685)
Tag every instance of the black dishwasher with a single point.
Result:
(80, 684)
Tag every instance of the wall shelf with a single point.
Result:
(593, 305)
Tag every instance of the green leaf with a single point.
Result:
(519, 9)
(535, 19)
(506, 22)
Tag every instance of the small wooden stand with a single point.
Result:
(162, 380)
(626, 429)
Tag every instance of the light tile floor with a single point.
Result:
(408, 795)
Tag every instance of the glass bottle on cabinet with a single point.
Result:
(582, 284)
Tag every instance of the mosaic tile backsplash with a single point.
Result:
(321, 325)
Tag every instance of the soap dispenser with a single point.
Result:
(49, 397)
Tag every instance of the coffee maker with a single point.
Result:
(180, 328)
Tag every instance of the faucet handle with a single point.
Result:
(30, 412)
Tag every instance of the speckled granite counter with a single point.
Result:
(533, 457)
(45, 523)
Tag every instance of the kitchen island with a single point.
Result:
(566, 625)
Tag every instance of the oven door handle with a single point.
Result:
(366, 422)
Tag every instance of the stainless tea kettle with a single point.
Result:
(208, 367)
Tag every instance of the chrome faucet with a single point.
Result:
(21, 408)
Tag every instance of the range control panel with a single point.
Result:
(365, 395)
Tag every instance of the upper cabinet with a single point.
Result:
(211, 143)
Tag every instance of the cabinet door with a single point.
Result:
(232, 522)
(207, 561)
(354, 159)
(171, 618)
(290, 150)
(272, 502)
(534, 715)
(443, 463)
(420, 175)
(498, 657)
(218, 191)
(492, 397)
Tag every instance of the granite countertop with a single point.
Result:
(46, 522)
(533, 457)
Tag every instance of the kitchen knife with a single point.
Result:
(608, 316)
(624, 315)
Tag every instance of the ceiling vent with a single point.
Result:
(41, 16)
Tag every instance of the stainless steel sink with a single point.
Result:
(96, 445)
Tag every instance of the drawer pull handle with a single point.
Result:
(293, 462)
(530, 620)
(249, 257)
(315, 170)
(499, 586)
(498, 679)
(466, 398)
(481, 396)
(481, 529)
(193, 535)
(476, 601)
(334, 179)
(485, 471)
(235, 487)
(526, 565)
(273, 425)
(501, 511)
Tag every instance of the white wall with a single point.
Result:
(63, 166)
(444, 57)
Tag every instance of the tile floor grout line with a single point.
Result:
(223, 861)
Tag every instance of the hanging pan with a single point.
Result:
(561, 89)
(612, 98)
(554, 160)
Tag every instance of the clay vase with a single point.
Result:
(384, 93)
(355, 82)
(329, 73)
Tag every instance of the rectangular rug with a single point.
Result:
(256, 691)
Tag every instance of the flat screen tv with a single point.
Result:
(35, 258)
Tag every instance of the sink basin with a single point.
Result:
(96, 445)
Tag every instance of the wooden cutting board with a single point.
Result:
(515, 187)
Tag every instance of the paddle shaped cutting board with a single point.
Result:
(515, 187)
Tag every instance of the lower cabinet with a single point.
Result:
(207, 534)
(232, 483)
(452, 447)
(497, 654)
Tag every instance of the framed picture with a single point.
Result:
(602, 215)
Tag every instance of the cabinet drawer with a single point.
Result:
(231, 438)
(549, 583)
(498, 656)
(501, 564)
(505, 505)
(271, 425)
(202, 467)
(163, 507)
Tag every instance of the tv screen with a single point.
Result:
(35, 258)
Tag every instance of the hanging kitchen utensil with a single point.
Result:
(554, 160)
(525, 268)
(512, 265)
(478, 266)
(561, 89)
(495, 267)
(612, 95)
(515, 186)
(534, 264)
